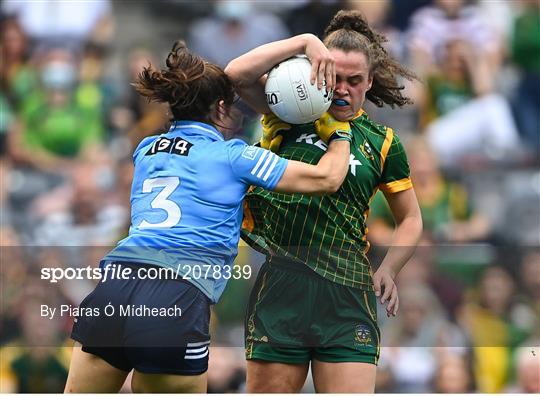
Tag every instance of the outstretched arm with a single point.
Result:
(329, 173)
(248, 71)
(324, 178)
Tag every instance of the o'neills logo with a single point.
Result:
(301, 90)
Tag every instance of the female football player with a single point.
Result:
(186, 211)
(315, 297)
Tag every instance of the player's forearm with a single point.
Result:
(405, 240)
(334, 165)
(248, 68)
(324, 178)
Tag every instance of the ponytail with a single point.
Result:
(349, 31)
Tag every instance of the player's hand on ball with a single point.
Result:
(328, 128)
(386, 289)
(323, 66)
(271, 126)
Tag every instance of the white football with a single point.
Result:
(291, 96)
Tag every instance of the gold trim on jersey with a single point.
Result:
(396, 186)
(358, 114)
(386, 145)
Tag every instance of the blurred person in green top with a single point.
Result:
(461, 111)
(61, 120)
(18, 76)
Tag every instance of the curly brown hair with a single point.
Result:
(191, 85)
(349, 31)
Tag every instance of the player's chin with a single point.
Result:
(341, 113)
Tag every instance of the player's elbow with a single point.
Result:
(330, 184)
(413, 225)
(234, 72)
(333, 185)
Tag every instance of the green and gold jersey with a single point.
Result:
(328, 233)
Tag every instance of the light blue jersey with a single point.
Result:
(186, 200)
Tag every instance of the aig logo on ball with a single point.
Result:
(291, 96)
(301, 90)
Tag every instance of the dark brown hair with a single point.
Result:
(191, 85)
(349, 31)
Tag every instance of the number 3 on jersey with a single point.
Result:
(174, 213)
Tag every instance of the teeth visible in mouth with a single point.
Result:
(340, 102)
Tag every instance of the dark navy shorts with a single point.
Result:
(155, 326)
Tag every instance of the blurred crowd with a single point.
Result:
(469, 319)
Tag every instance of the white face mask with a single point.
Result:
(58, 75)
(232, 10)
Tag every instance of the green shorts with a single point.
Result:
(295, 315)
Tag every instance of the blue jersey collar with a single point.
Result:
(196, 128)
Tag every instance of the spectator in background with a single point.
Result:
(487, 318)
(93, 81)
(528, 368)
(17, 75)
(526, 56)
(462, 114)
(34, 362)
(72, 24)
(453, 375)
(422, 268)
(39, 365)
(413, 337)
(433, 26)
(527, 313)
(80, 214)
(446, 210)
(59, 122)
(235, 28)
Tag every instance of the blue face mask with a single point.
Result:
(58, 75)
